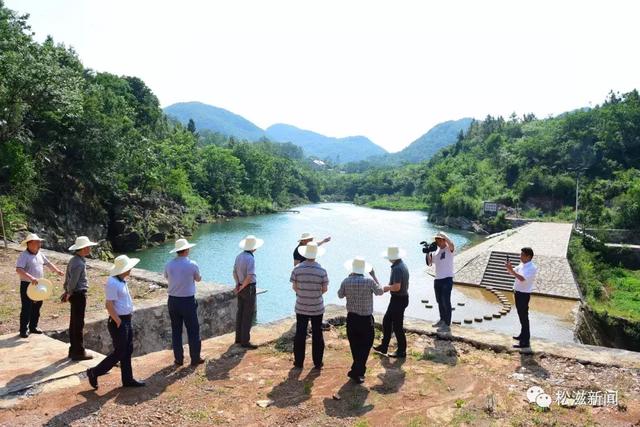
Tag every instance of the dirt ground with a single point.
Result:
(54, 314)
(440, 383)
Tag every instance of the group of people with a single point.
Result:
(309, 281)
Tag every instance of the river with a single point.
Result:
(354, 230)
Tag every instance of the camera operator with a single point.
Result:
(442, 257)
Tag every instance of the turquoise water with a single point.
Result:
(354, 230)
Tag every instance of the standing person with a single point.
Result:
(443, 283)
(309, 281)
(304, 239)
(30, 268)
(120, 308)
(244, 274)
(359, 291)
(182, 275)
(75, 292)
(525, 276)
(394, 317)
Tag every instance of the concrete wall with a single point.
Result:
(217, 307)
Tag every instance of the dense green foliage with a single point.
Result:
(528, 163)
(607, 287)
(75, 140)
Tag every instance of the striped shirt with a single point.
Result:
(309, 278)
(359, 292)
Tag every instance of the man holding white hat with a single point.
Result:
(182, 275)
(443, 283)
(30, 268)
(359, 291)
(120, 307)
(394, 317)
(309, 281)
(302, 241)
(75, 292)
(244, 275)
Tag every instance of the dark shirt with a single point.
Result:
(76, 276)
(297, 256)
(400, 274)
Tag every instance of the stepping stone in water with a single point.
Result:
(453, 308)
(428, 306)
(503, 312)
(456, 322)
(478, 319)
(497, 315)
(424, 301)
(468, 321)
(460, 304)
(488, 317)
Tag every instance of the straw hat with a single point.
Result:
(122, 264)
(311, 250)
(41, 291)
(181, 245)
(250, 243)
(81, 242)
(393, 253)
(358, 265)
(30, 237)
(305, 236)
(441, 235)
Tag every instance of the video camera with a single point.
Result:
(429, 247)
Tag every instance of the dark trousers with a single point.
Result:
(30, 310)
(360, 334)
(122, 338)
(442, 288)
(78, 301)
(393, 322)
(184, 311)
(317, 339)
(244, 315)
(522, 306)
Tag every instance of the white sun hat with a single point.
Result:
(122, 264)
(181, 245)
(41, 291)
(441, 235)
(393, 253)
(358, 265)
(305, 236)
(311, 250)
(30, 237)
(250, 243)
(81, 242)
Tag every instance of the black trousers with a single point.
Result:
(78, 301)
(317, 339)
(184, 311)
(244, 315)
(442, 288)
(29, 311)
(360, 333)
(522, 306)
(122, 338)
(393, 322)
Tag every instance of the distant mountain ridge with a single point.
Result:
(338, 150)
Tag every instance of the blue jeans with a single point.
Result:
(442, 289)
(184, 310)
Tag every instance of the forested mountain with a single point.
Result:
(337, 150)
(529, 163)
(214, 119)
(87, 153)
(438, 137)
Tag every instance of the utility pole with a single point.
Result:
(4, 234)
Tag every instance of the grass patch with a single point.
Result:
(394, 203)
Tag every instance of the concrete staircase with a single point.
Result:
(495, 274)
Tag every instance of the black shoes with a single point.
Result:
(380, 349)
(24, 335)
(36, 331)
(355, 379)
(79, 357)
(93, 380)
(516, 338)
(198, 361)
(318, 367)
(397, 355)
(178, 362)
(249, 346)
(522, 345)
(134, 383)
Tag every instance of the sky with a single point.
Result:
(389, 70)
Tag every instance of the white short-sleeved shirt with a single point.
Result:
(32, 264)
(528, 271)
(118, 292)
(443, 262)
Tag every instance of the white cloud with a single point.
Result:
(388, 70)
